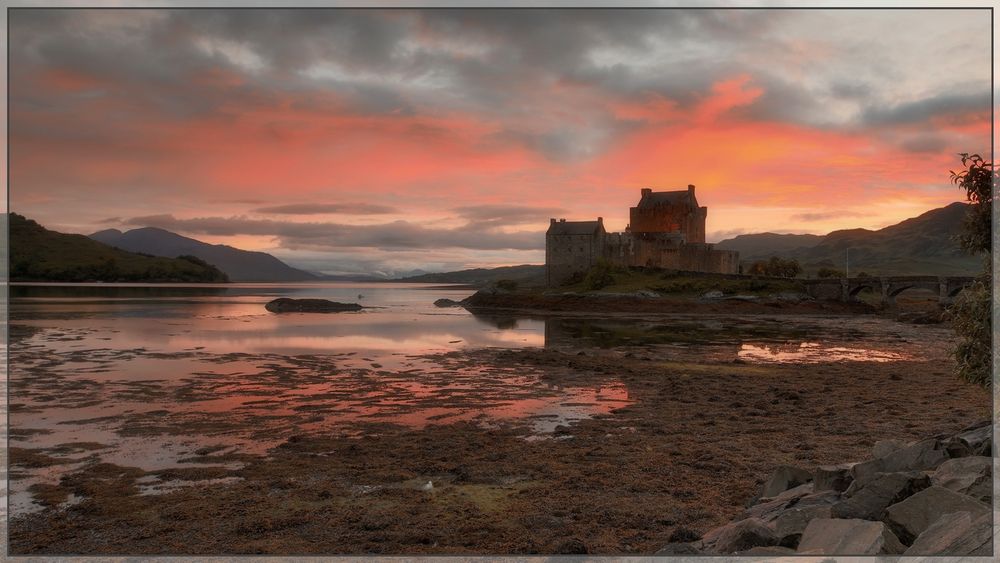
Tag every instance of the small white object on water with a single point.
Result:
(429, 486)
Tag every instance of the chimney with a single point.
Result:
(691, 188)
(600, 220)
(562, 220)
(552, 221)
(646, 191)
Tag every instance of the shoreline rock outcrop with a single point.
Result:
(929, 497)
(288, 305)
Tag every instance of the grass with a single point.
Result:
(683, 284)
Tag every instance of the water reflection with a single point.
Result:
(814, 352)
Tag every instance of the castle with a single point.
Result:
(666, 230)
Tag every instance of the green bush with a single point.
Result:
(973, 322)
(830, 273)
(601, 275)
(776, 267)
(507, 285)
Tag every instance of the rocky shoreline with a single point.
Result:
(929, 497)
(651, 302)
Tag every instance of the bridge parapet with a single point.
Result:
(847, 289)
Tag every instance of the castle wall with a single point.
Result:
(567, 254)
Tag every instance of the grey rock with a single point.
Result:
(767, 550)
(714, 294)
(958, 533)
(971, 476)
(739, 536)
(867, 501)
(287, 305)
(799, 497)
(909, 518)
(790, 524)
(926, 454)
(978, 437)
(678, 549)
(883, 448)
(784, 478)
(829, 536)
(447, 303)
(832, 477)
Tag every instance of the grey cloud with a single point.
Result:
(925, 144)
(825, 215)
(955, 104)
(318, 208)
(327, 236)
(489, 216)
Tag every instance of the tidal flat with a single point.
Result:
(204, 426)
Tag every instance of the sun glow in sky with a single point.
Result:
(360, 141)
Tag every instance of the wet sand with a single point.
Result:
(672, 442)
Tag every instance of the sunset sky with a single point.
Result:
(359, 141)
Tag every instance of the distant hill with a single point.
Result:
(526, 274)
(240, 265)
(767, 243)
(922, 245)
(38, 254)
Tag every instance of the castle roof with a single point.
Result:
(676, 197)
(564, 227)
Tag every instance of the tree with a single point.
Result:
(972, 311)
(776, 267)
(977, 181)
(830, 273)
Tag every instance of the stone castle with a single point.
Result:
(666, 230)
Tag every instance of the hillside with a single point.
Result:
(525, 274)
(765, 244)
(925, 244)
(38, 254)
(239, 265)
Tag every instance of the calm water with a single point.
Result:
(155, 376)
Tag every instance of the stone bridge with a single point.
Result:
(847, 289)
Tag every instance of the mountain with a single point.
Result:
(926, 244)
(38, 254)
(525, 274)
(767, 243)
(240, 265)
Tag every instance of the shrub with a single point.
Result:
(830, 273)
(972, 319)
(601, 275)
(776, 267)
(507, 285)
(972, 310)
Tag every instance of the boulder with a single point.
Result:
(799, 497)
(867, 501)
(832, 477)
(767, 550)
(680, 548)
(711, 295)
(784, 478)
(909, 518)
(739, 536)
(972, 476)
(926, 454)
(883, 448)
(829, 536)
(287, 305)
(956, 534)
(447, 303)
(978, 437)
(790, 524)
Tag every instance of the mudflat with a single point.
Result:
(670, 445)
